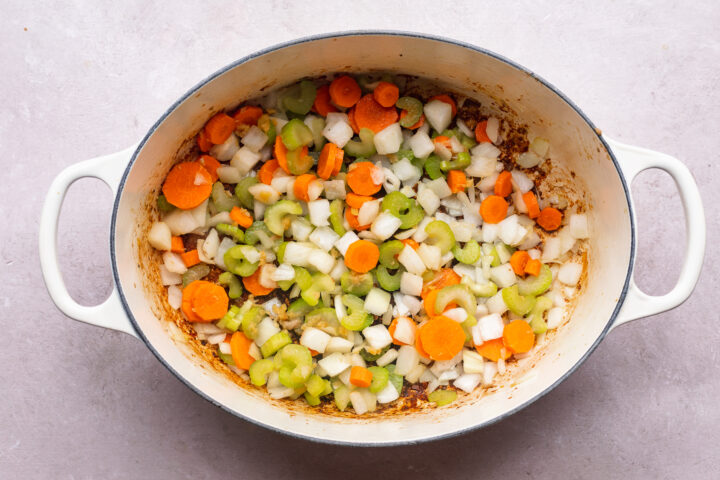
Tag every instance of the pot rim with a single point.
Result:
(351, 33)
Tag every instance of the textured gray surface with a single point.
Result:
(79, 402)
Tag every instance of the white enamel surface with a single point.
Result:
(574, 145)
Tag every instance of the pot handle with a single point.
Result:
(634, 160)
(110, 313)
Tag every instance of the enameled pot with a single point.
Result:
(603, 167)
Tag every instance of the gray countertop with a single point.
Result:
(81, 80)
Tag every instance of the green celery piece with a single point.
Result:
(353, 302)
(278, 215)
(389, 252)
(442, 397)
(336, 216)
(280, 252)
(298, 161)
(358, 284)
(324, 319)
(250, 321)
(365, 147)
(259, 371)
(311, 400)
(226, 358)
(357, 320)
(268, 126)
(221, 198)
(372, 357)
(298, 308)
(380, 379)
(317, 125)
(275, 343)
(315, 385)
(469, 254)
(414, 109)
(487, 289)
(231, 231)
(294, 364)
(236, 262)
(461, 162)
(251, 236)
(518, 304)
(387, 281)
(231, 320)
(432, 167)
(440, 234)
(531, 285)
(163, 205)
(342, 397)
(537, 322)
(196, 272)
(459, 294)
(296, 134)
(300, 97)
(233, 283)
(242, 193)
(303, 278)
(404, 208)
(395, 379)
(321, 282)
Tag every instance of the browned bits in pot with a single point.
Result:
(470, 113)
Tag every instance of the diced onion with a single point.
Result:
(528, 160)
(408, 358)
(570, 273)
(160, 236)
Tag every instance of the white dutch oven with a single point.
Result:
(605, 167)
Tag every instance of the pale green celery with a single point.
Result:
(223, 201)
(442, 397)
(342, 397)
(532, 285)
(231, 231)
(227, 358)
(389, 252)
(387, 281)
(406, 209)
(414, 109)
(231, 320)
(372, 357)
(196, 272)
(461, 162)
(469, 254)
(317, 125)
(324, 319)
(358, 284)
(395, 379)
(294, 364)
(537, 322)
(364, 148)
(278, 215)
(357, 320)
(251, 318)
(242, 193)
(251, 234)
(353, 302)
(321, 282)
(236, 262)
(487, 289)
(518, 304)
(296, 134)
(259, 371)
(380, 379)
(459, 294)
(336, 216)
(440, 234)
(275, 343)
(315, 385)
(233, 283)
(311, 400)
(300, 97)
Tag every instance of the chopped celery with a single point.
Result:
(336, 216)
(537, 322)
(275, 343)
(459, 294)
(518, 304)
(233, 283)
(317, 124)
(315, 385)
(358, 320)
(321, 282)
(387, 281)
(356, 283)
(504, 252)
(259, 371)
(223, 201)
(487, 289)
(404, 208)
(469, 322)
(285, 285)
(303, 278)
(298, 308)
(280, 252)
(442, 397)
(195, 272)
(395, 379)
(324, 319)
(268, 126)
(231, 231)
(432, 167)
(468, 254)
(277, 215)
(414, 109)
(380, 379)
(461, 162)
(227, 358)
(231, 320)
(531, 285)
(372, 357)
(352, 302)
(389, 252)
(365, 147)
(342, 397)
(251, 234)
(250, 321)
(300, 97)
(311, 400)
(242, 193)
(298, 161)
(440, 234)
(163, 205)
(294, 364)
(296, 134)
(236, 262)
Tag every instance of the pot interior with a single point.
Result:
(576, 147)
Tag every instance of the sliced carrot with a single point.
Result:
(190, 258)
(481, 134)
(344, 91)
(220, 127)
(356, 201)
(252, 284)
(247, 115)
(302, 185)
(393, 327)
(443, 278)
(442, 338)
(187, 298)
(240, 350)
(353, 220)
(241, 216)
(339, 157)
(493, 350)
(187, 185)
(351, 119)
(322, 103)
(518, 336)
(418, 124)
(503, 184)
(210, 302)
(419, 345)
(493, 209)
(447, 99)
(550, 218)
(429, 303)
(533, 267)
(360, 376)
(360, 179)
(370, 114)
(531, 204)
(386, 94)
(211, 165)
(443, 140)
(518, 260)
(314, 353)
(176, 245)
(362, 256)
(413, 244)
(280, 151)
(203, 141)
(267, 171)
(457, 180)
(327, 160)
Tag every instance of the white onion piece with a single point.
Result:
(420, 234)
(489, 373)
(440, 187)
(377, 336)
(324, 238)
(384, 225)
(334, 189)
(266, 329)
(528, 160)
(254, 139)
(554, 317)
(338, 132)
(368, 211)
(496, 304)
(315, 339)
(358, 402)
(173, 262)
(377, 301)
(540, 146)
(438, 114)
(388, 140)
(160, 236)
(481, 166)
(468, 381)
(244, 160)
(339, 344)
(391, 182)
(406, 171)
(578, 225)
(522, 181)
(283, 272)
(225, 151)
(551, 249)
(492, 130)
(388, 394)
(473, 362)
(319, 212)
(228, 174)
(430, 255)
(297, 253)
(321, 261)
(421, 145)
(264, 193)
(300, 228)
(570, 273)
(334, 364)
(315, 189)
(408, 358)
(464, 128)
(428, 200)
(412, 262)
(411, 284)
(485, 149)
(345, 241)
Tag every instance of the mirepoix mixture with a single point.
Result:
(346, 238)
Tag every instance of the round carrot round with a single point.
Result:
(248, 115)
(220, 127)
(370, 114)
(266, 172)
(252, 284)
(327, 160)
(356, 201)
(339, 157)
(430, 300)
(503, 184)
(187, 185)
(386, 94)
(240, 350)
(493, 209)
(280, 151)
(353, 221)
(481, 134)
(210, 302)
(344, 91)
(203, 142)
(360, 179)
(550, 218)
(447, 99)
(362, 256)
(518, 260)
(322, 103)
(211, 165)
(531, 204)
(187, 298)
(493, 350)
(518, 336)
(444, 278)
(419, 345)
(418, 124)
(301, 186)
(393, 327)
(442, 338)
(351, 119)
